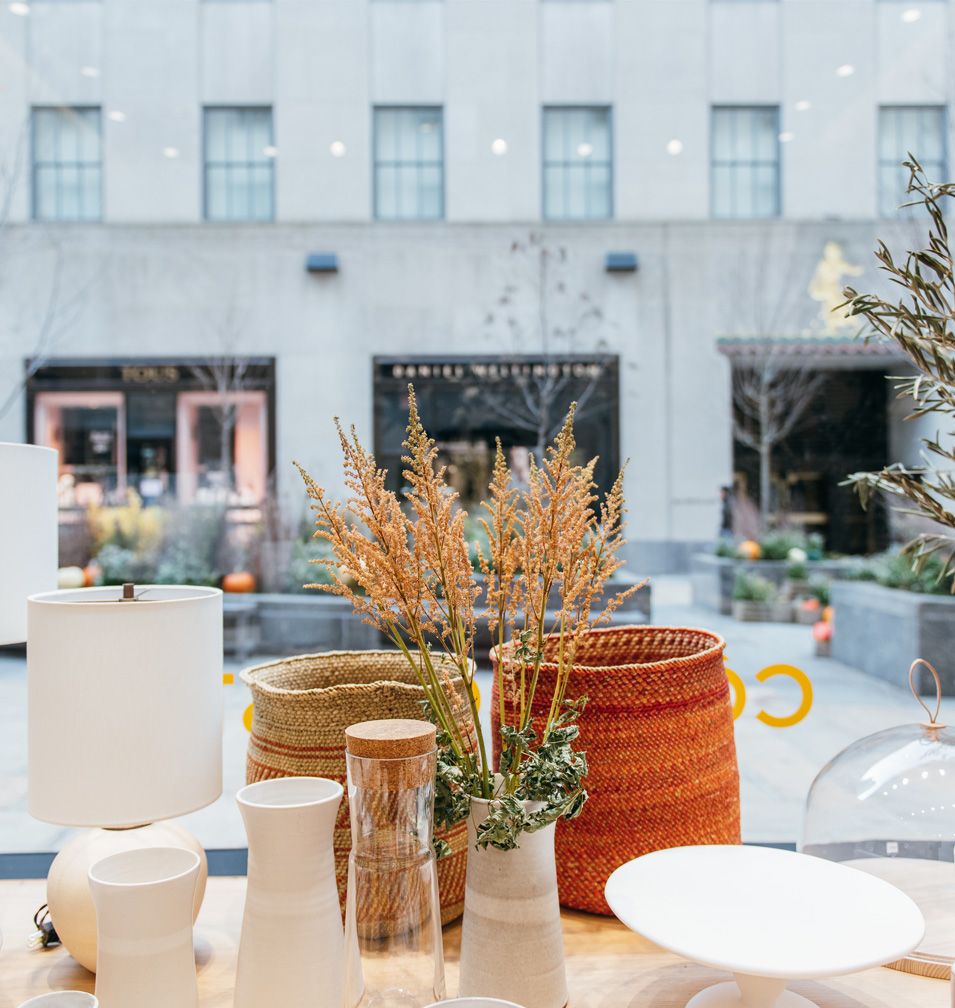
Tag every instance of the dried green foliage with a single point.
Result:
(920, 324)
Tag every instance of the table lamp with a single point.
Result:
(124, 729)
(28, 532)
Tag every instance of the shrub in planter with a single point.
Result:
(753, 598)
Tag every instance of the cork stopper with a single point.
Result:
(394, 738)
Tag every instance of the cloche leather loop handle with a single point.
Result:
(933, 721)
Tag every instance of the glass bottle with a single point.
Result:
(393, 951)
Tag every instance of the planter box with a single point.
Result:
(761, 612)
(713, 577)
(294, 624)
(883, 630)
(302, 624)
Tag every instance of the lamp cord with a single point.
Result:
(45, 934)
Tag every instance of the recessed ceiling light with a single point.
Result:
(911, 15)
(89, 71)
(337, 148)
(117, 116)
(674, 147)
(585, 149)
(786, 137)
(20, 9)
(269, 150)
(499, 147)
(803, 105)
(170, 152)
(846, 70)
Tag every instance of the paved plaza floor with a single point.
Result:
(777, 765)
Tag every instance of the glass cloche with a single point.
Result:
(886, 804)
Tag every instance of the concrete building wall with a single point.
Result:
(321, 64)
(153, 279)
(426, 290)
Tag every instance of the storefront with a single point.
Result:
(186, 430)
(467, 402)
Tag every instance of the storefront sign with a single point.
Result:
(497, 370)
(149, 374)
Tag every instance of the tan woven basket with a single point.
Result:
(658, 733)
(301, 708)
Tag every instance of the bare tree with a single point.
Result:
(768, 312)
(771, 395)
(541, 315)
(226, 374)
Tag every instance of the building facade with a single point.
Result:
(227, 221)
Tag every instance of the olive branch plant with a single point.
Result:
(921, 324)
(403, 561)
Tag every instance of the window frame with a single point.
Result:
(36, 164)
(610, 162)
(751, 163)
(375, 163)
(206, 164)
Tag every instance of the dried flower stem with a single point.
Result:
(406, 568)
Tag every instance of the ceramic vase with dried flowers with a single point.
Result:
(404, 562)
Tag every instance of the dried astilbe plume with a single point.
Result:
(552, 549)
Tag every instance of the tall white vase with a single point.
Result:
(144, 954)
(292, 944)
(512, 945)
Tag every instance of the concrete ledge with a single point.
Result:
(712, 577)
(883, 630)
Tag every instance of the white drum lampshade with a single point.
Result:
(125, 704)
(125, 730)
(28, 532)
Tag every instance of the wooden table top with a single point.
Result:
(607, 965)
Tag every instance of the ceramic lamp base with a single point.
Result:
(749, 992)
(68, 888)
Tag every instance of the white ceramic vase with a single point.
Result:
(292, 943)
(512, 945)
(144, 951)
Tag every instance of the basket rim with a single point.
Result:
(250, 674)
(717, 647)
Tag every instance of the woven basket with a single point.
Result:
(301, 708)
(658, 733)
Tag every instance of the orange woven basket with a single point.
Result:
(658, 733)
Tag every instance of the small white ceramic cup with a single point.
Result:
(62, 999)
(474, 1002)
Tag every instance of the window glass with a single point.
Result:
(745, 162)
(409, 163)
(577, 164)
(239, 166)
(67, 167)
(905, 130)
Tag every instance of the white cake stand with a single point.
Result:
(768, 916)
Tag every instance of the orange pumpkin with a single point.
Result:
(749, 549)
(827, 614)
(239, 581)
(91, 574)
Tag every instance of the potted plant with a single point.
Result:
(797, 573)
(405, 564)
(753, 598)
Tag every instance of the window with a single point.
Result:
(239, 164)
(745, 161)
(578, 164)
(67, 164)
(919, 130)
(409, 163)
